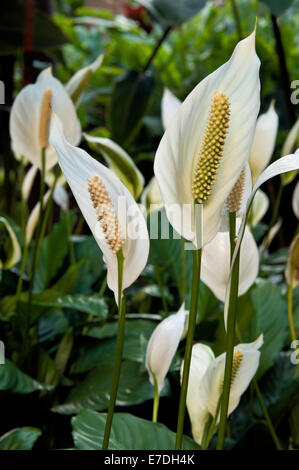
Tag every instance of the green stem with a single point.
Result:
(156, 401)
(103, 287)
(237, 19)
(156, 48)
(230, 341)
(183, 273)
(266, 414)
(38, 232)
(118, 352)
(189, 341)
(206, 442)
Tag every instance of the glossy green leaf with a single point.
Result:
(92, 304)
(270, 318)
(128, 433)
(129, 101)
(14, 380)
(94, 391)
(19, 439)
(137, 336)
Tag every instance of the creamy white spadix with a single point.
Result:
(90, 181)
(210, 136)
(26, 115)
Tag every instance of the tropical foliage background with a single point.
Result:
(55, 383)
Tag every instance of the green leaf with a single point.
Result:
(279, 382)
(129, 101)
(93, 304)
(87, 248)
(19, 439)
(14, 380)
(119, 161)
(128, 433)
(270, 318)
(53, 251)
(94, 391)
(137, 335)
(277, 7)
(173, 13)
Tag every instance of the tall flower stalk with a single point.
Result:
(118, 227)
(200, 158)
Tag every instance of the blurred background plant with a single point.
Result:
(62, 367)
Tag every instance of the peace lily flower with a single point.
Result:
(206, 145)
(295, 200)
(29, 119)
(115, 223)
(206, 381)
(215, 264)
(78, 82)
(163, 345)
(151, 196)
(10, 251)
(169, 106)
(264, 141)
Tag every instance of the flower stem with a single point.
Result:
(156, 48)
(230, 340)
(206, 442)
(38, 232)
(156, 400)
(190, 337)
(266, 414)
(118, 352)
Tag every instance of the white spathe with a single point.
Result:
(215, 263)
(206, 381)
(25, 118)
(263, 142)
(179, 149)
(78, 166)
(169, 106)
(75, 82)
(260, 205)
(202, 357)
(163, 345)
(151, 197)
